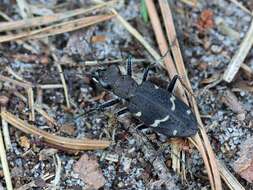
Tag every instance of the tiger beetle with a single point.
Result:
(155, 107)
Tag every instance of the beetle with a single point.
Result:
(156, 107)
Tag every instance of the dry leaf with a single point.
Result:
(25, 142)
(89, 171)
(244, 164)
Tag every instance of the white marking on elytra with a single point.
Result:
(156, 87)
(188, 112)
(172, 99)
(138, 114)
(93, 78)
(158, 121)
(175, 132)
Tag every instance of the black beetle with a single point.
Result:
(156, 107)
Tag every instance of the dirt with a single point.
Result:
(207, 49)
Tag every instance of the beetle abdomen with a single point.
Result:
(162, 111)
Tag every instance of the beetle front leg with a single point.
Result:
(108, 104)
(100, 107)
(121, 111)
(172, 84)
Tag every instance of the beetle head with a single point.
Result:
(107, 77)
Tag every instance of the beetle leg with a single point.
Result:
(172, 84)
(145, 74)
(108, 104)
(100, 107)
(129, 66)
(121, 111)
(140, 126)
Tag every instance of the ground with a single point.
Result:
(207, 49)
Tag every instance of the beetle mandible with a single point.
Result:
(156, 107)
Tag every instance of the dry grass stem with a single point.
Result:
(24, 8)
(65, 88)
(137, 35)
(247, 69)
(230, 181)
(49, 19)
(191, 3)
(206, 149)
(168, 62)
(15, 82)
(15, 75)
(60, 142)
(4, 164)
(39, 97)
(58, 169)
(31, 104)
(241, 6)
(239, 56)
(71, 63)
(57, 28)
(71, 26)
(228, 178)
(6, 134)
(45, 115)
(49, 86)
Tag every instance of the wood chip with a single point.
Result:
(98, 39)
(205, 21)
(244, 164)
(89, 171)
(25, 142)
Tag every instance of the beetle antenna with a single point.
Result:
(145, 74)
(172, 84)
(129, 65)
